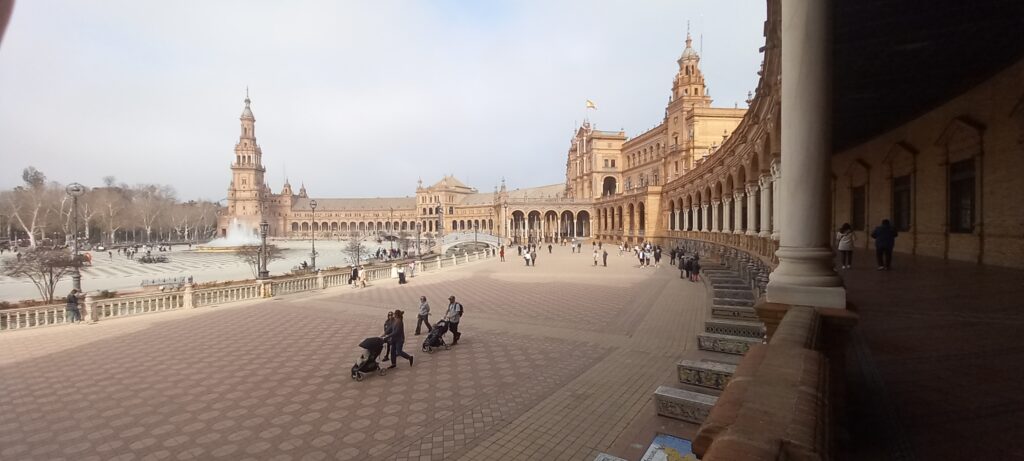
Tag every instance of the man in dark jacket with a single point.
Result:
(885, 239)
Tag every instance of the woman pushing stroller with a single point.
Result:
(396, 339)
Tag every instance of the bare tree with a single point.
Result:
(28, 204)
(250, 255)
(111, 203)
(45, 268)
(355, 250)
(150, 202)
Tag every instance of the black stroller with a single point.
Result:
(368, 361)
(435, 339)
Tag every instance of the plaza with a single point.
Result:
(548, 368)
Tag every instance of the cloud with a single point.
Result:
(351, 98)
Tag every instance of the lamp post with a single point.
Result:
(264, 228)
(418, 227)
(312, 256)
(76, 190)
(476, 226)
(440, 228)
(391, 225)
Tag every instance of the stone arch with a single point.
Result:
(631, 220)
(334, 226)
(305, 226)
(609, 186)
(295, 227)
(583, 224)
(641, 216)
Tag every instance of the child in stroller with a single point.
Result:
(435, 339)
(368, 360)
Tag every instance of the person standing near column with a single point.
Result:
(453, 316)
(885, 239)
(844, 243)
(423, 315)
(71, 312)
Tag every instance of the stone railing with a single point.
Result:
(220, 295)
(29, 317)
(750, 267)
(191, 296)
(762, 247)
(98, 309)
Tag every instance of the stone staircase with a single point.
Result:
(730, 332)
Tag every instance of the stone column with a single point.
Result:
(684, 219)
(696, 214)
(766, 206)
(705, 225)
(752, 209)
(713, 227)
(777, 211)
(727, 213)
(737, 215)
(805, 276)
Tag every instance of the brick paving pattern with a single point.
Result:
(556, 362)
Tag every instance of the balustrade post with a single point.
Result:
(90, 315)
(320, 280)
(189, 297)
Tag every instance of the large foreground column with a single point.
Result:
(805, 275)
(737, 208)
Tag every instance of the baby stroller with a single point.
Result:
(435, 339)
(368, 360)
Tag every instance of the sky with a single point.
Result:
(352, 99)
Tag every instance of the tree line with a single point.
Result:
(40, 211)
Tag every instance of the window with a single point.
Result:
(613, 163)
(857, 207)
(606, 163)
(901, 202)
(961, 196)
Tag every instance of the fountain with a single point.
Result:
(237, 237)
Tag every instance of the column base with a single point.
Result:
(775, 236)
(805, 277)
(752, 233)
(764, 234)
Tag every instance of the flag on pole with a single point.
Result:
(591, 105)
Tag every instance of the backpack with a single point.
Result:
(459, 305)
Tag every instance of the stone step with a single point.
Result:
(744, 293)
(730, 284)
(744, 328)
(733, 312)
(683, 404)
(698, 355)
(725, 343)
(703, 373)
(716, 301)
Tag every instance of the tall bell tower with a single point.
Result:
(247, 191)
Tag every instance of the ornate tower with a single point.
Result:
(688, 85)
(247, 191)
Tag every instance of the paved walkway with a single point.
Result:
(935, 363)
(557, 361)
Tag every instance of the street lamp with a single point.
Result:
(76, 190)
(476, 225)
(264, 228)
(418, 227)
(440, 226)
(312, 256)
(391, 225)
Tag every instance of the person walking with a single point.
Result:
(595, 256)
(401, 274)
(533, 257)
(71, 312)
(501, 253)
(845, 239)
(549, 248)
(885, 239)
(453, 317)
(388, 329)
(526, 257)
(396, 339)
(421, 318)
(604, 257)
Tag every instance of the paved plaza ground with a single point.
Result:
(557, 361)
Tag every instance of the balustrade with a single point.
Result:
(96, 309)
